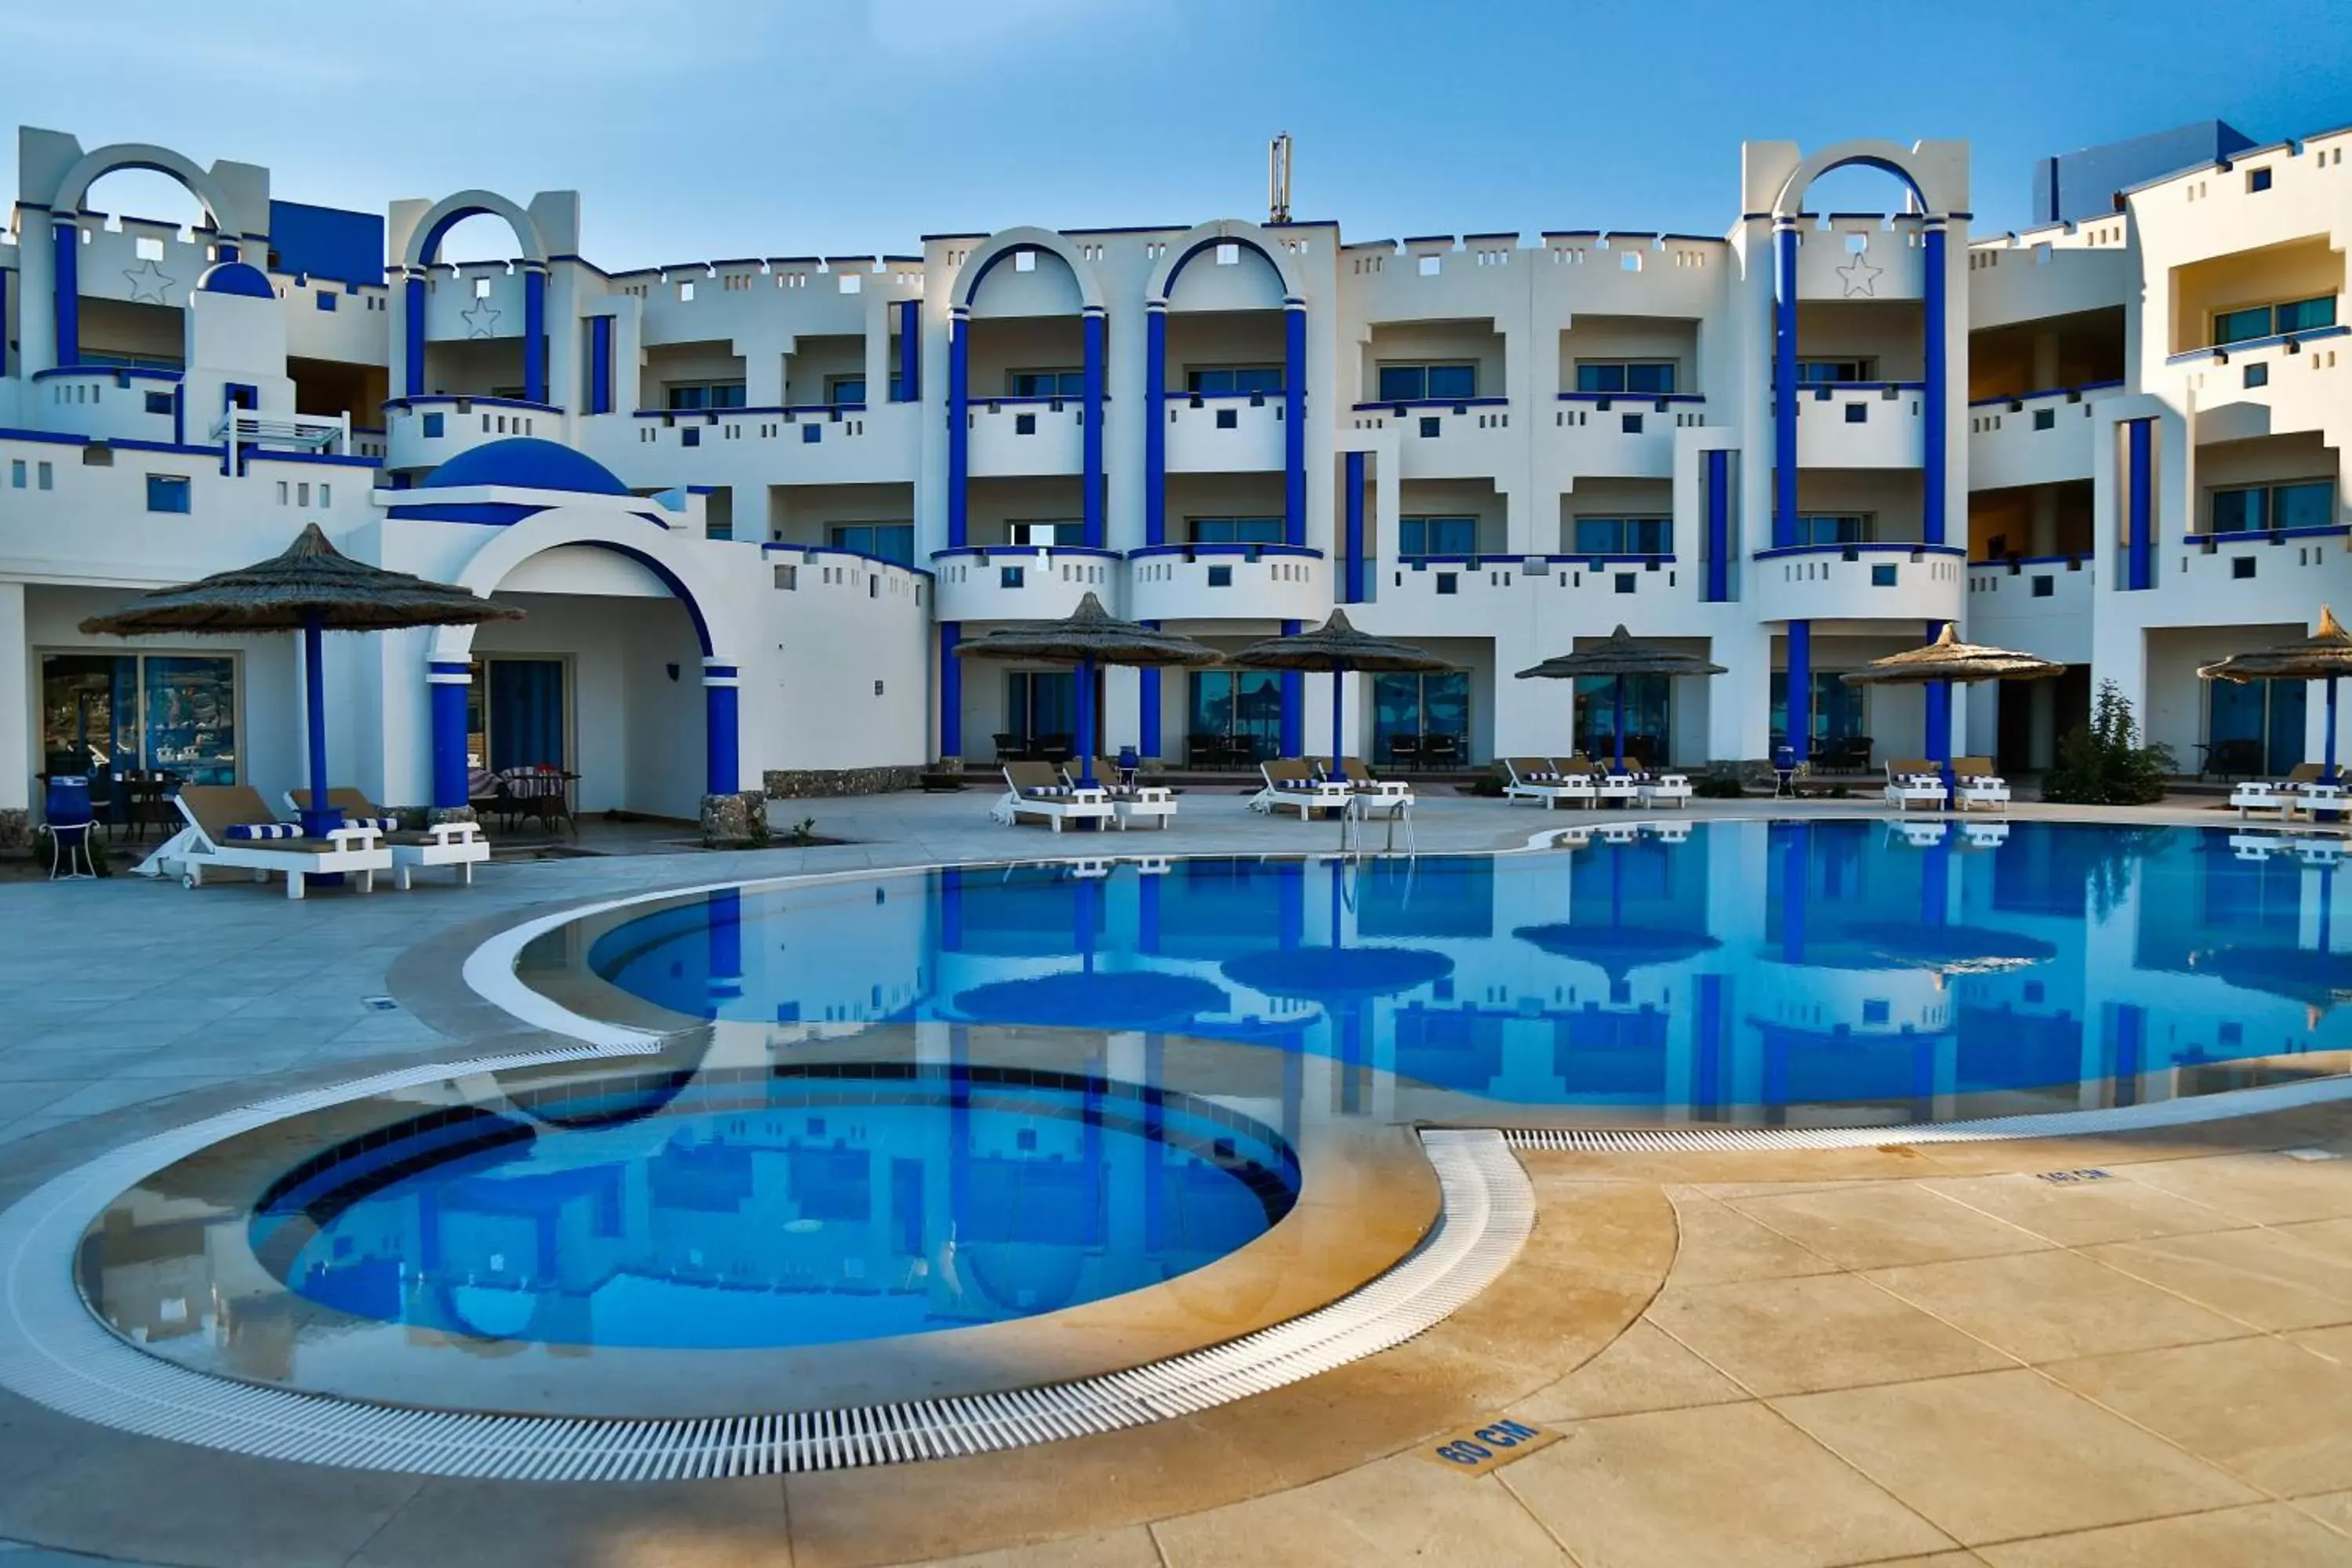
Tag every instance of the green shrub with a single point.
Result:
(2103, 763)
(1720, 787)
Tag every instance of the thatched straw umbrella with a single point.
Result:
(1087, 637)
(1338, 647)
(1617, 657)
(1941, 665)
(2325, 654)
(312, 588)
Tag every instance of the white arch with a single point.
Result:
(450, 210)
(1940, 189)
(1005, 242)
(199, 182)
(658, 547)
(1238, 230)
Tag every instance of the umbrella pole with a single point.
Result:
(1617, 718)
(2331, 729)
(318, 817)
(1086, 723)
(1338, 702)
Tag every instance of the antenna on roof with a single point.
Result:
(1278, 178)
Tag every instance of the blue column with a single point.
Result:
(1359, 569)
(412, 352)
(1938, 695)
(2331, 774)
(449, 680)
(3, 317)
(1294, 701)
(1085, 736)
(1801, 688)
(1784, 384)
(1294, 424)
(65, 284)
(1936, 885)
(959, 427)
(1796, 885)
(1095, 325)
(1147, 706)
(721, 743)
(600, 364)
(951, 691)
(2139, 516)
(1155, 423)
(907, 385)
(534, 335)
(318, 817)
(1719, 526)
(1934, 405)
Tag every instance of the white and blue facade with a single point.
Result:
(753, 505)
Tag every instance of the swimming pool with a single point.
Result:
(738, 1209)
(1854, 971)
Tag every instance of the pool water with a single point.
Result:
(1856, 970)
(752, 1209)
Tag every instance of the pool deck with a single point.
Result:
(1921, 1354)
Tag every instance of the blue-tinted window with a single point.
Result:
(2240, 326)
(841, 389)
(1838, 530)
(707, 395)
(159, 402)
(1643, 376)
(326, 302)
(2309, 505)
(2258, 179)
(2239, 511)
(1418, 536)
(1220, 381)
(1624, 536)
(2306, 315)
(1045, 383)
(166, 492)
(1428, 383)
(1236, 529)
(1403, 383)
(1453, 381)
(432, 425)
(727, 395)
(885, 540)
(1832, 371)
(2258, 375)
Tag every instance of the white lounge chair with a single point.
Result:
(1291, 782)
(1915, 780)
(1606, 786)
(1540, 779)
(1976, 785)
(230, 828)
(1984, 834)
(1129, 802)
(2282, 795)
(454, 844)
(1038, 789)
(1359, 780)
(1662, 789)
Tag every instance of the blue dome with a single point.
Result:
(236, 278)
(525, 463)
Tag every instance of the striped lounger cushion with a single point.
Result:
(253, 830)
(1048, 791)
(381, 824)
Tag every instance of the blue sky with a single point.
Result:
(729, 128)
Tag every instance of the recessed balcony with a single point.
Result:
(1023, 582)
(1228, 581)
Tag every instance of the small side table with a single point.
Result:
(68, 842)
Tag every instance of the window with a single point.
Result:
(1226, 381)
(2258, 179)
(1847, 528)
(1624, 536)
(884, 540)
(1236, 529)
(1045, 383)
(1418, 536)
(433, 422)
(1048, 533)
(1447, 383)
(2273, 320)
(159, 402)
(1645, 376)
(326, 495)
(706, 394)
(1830, 372)
(43, 476)
(2258, 375)
(845, 391)
(325, 300)
(1859, 413)
(2253, 508)
(16, 472)
(110, 713)
(167, 492)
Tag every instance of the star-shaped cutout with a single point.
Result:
(481, 322)
(148, 283)
(1860, 277)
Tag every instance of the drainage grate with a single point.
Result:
(53, 1351)
(2055, 1124)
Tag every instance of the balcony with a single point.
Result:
(840, 596)
(826, 443)
(2270, 386)
(426, 432)
(106, 404)
(1861, 425)
(1022, 582)
(2038, 605)
(1228, 581)
(1462, 595)
(2268, 574)
(1621, 436)
(1231, 434)
(1028, 436)
(1890, 265)
(1892, 580)
(1464, 440)
(2034, 438)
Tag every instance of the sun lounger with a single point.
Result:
(1606, 786)
(1540, 779)
(2282, 795)
(1359, 780)
(1038, 789)
(1291, 782)
(1976, 785)
(457, 844)
(1662, 789)
(1129, 802)
(1915, 780)
(230, 828)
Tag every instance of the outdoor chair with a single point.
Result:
(1441, 750)
(1975, 784)
(1291, 782)
(542, 793)
(1404, 751)
(228, 826)
(1623, 788)
(1540, 779)
(2280, 795)
(454, 844)
(1129, 802)
(1359, 779)
(1915, 780)
(1038, 789)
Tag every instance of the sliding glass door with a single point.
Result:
(517, 715)
(107, 714)
(1421, 718)
(1234, 717)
